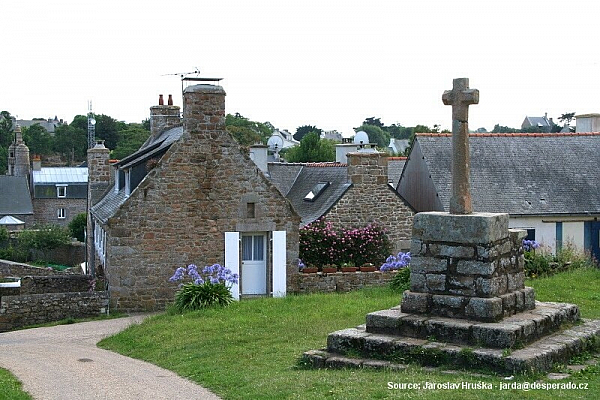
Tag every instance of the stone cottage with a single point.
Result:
(548, 183)
(190, 194)
(355, 193)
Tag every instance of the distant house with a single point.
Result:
(49, 124)
(190, 194)
(548, 183)
(15, 201)
(398, 146)
(543, 123)
(587, 123)
(51, 195)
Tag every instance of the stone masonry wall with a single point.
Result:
(55, 284)
(180, 211)
(19, 311)
(18, 270)
(372, 200)
(46, 210)
(339, 281)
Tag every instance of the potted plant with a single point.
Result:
(367, 267)
(306, 269)
(349, 267)
(329, 269)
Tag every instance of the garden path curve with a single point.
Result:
(63, 362)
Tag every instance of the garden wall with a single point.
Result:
(15, 269)
(339, 281)
(24, 310)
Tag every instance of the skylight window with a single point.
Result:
(316, 191)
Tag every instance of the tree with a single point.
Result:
(6, 129)
(247, 132)
(107, 129)
(131, 139)
(38, 139)
(504, 129)
(71, 142)
(567, 117)
(312, 149)
(374, 121)
(303, 130)
(77, 226)
(376, 135)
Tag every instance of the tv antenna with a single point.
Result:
(91, 127)
(192, 76)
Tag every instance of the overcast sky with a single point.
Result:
(324, 63)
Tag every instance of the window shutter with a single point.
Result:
(232, 258)
(279, 264)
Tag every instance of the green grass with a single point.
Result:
(250, 350)
(10, 387)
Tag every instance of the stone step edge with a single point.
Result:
(514, 331)
(536, 357)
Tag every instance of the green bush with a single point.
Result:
(543, 264)
(194, 297)
(77, 226)
(44, 237)
(401, 281)
(3, 234)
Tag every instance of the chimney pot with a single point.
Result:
(161, 102)
(170, 101)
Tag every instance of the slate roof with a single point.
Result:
(14, 196)
(52, 175)
(108, 205)
(522, 174)
(395, 167)
(294, 181)
(536, 121)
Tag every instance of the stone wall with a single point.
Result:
(19, 311)
(56, 284)
(46, 210)
(71, 254)
(379, 202)
(339, 281)
(18, 270)
(179, 213)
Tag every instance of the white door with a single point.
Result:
(254, 263)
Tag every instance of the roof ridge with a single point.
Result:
(516, 134)
(314, 164)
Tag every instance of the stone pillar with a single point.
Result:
(99, 177)
(466, 266)
(368, 168)
(18, 156)
(163, 117)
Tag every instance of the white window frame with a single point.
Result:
(63, 189)
(61, 213)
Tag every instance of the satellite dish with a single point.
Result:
(361, 137)
(275, 143)
(92, 121)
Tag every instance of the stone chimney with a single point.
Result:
(204, 111)
(98, 172)
(368, 168)
(37, 163)
(163, 117)
(259, 154)
(18, 156)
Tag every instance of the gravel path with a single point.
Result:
(63, 362)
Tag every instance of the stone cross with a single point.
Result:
(460, 97)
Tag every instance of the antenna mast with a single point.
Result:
(91, 127)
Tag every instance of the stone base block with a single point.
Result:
(476, 228)
(513, 331)
(486, 309)
(391, 351)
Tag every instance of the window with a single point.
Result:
(530, 234)
(61, 213)
(61, 191)
(250, 210)
(316, 191)
(253, 248)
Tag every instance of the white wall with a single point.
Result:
(545, 231)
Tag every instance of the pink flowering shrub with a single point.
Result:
(321, 243)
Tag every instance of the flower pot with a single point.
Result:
(349, 269)
(309, 270)
(329, 270)
(368, 269)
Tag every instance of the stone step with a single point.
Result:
(351, 347)
(512, 332)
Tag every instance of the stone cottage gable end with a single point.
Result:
(203, 186)
(371, 200)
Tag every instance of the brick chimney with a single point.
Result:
(368, 168)
(163, 117)
(18, 156)
(98, 172)
(204, 111)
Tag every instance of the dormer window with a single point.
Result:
(316, 191)
(61, 191)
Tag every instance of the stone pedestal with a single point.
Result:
(467, 266)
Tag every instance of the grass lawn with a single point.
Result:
(10, 387)
(250, 349)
